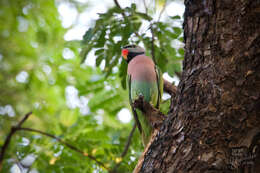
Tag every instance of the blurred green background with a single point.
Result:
(61, 60)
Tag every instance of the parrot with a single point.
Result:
(144, 79)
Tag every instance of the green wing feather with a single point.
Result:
(152, 93)
(128, 83)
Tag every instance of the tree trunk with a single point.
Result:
(214, 125)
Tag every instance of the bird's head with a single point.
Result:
(130, 51)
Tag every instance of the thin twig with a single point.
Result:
(128, 141)
(152, 32)
(152, 42)
(18, 127)
(9, 136)
(161, 12)
(125, 17)
(126, 146)
(153, 39)
(24, 119)
(145, 6)
(19, 165)
(66, 144)
(118, 5)
(4, 147)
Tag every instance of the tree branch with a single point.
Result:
(23, 120)
(18, 127)
(126, 146)
(155, 117)
(128, 141)
(66, 144)
(152, 42)
(169, 88)
(161, 12)
(9, 136)
(178, 74)
(118, 5)
(145, 6)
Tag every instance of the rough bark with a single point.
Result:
(214, 125)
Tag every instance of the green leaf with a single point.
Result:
(42, 36)
(99, 60)
(171, 34)
(123, 73)
(133, 6)
(101, 40)
(68, 117)
(177, 30)
(84, 52)
(88, 35)
(99, 51)
(165, 106)
(144, 16)
(181, 51)
(175, 17)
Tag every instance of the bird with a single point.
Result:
(144, 79)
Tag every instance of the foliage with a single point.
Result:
(69, 99)
(118, 27)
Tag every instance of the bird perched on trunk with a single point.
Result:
(143, 79)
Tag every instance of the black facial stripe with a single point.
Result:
(129, 46)
(131, 55)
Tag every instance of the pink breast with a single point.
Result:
(142, 68)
